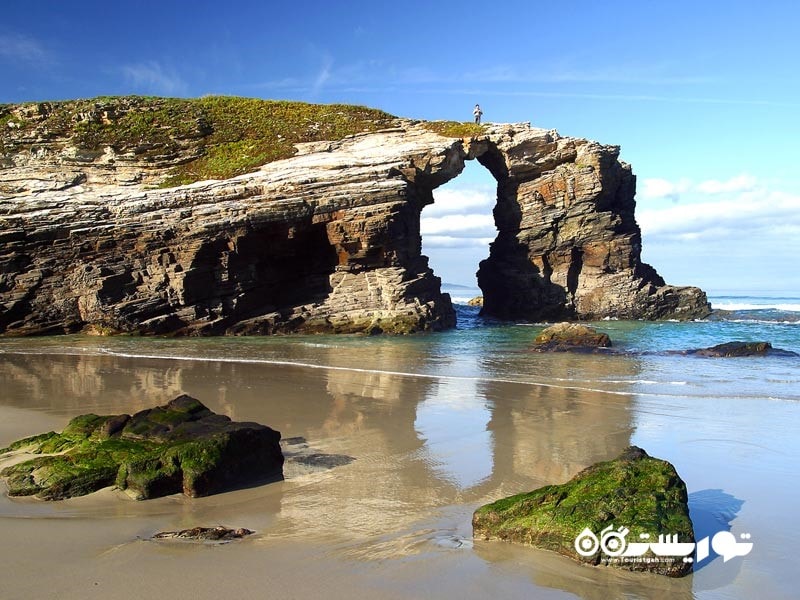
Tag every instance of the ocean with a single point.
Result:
(438, 424)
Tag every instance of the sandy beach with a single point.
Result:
(393, 523)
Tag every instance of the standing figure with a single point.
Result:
(477, 112)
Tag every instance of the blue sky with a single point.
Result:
(703, 97)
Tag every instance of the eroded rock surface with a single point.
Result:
(326, 241)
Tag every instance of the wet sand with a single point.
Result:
(393, 523)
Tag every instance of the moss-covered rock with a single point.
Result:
(633, 492)
(179, 447)
(570, 337)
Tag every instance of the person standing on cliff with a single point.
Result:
(477, 112)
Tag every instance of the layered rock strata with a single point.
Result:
(326, 241)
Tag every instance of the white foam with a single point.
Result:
(786, 307)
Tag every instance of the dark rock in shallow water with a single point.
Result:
(302, 459)
(570, 337)
(736, 349)
(601, 515)
(210, 534)
(179, 447)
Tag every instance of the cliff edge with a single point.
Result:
(324, 236)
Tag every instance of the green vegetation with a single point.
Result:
(181, 446)
(214, 137)
(635, 491)
(247, 133)
(455, 129)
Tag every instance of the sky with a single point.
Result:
(702, 98)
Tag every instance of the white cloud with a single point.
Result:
(446, 241)
(751, 213)
(661, 188)
(740, 183)
(152, 77)
(22, 48)
(463, 226)
(655, 188)
(454, 202)
(736, 234)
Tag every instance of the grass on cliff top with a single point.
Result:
(247, 133)
(226, 136)
(454, 129)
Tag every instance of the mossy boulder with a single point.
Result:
(634, 492)
(570, 337)
(179, 447)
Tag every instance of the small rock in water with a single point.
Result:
(214, 534)
(570, 337)
(737, 349)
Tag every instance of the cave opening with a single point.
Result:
(458, 228)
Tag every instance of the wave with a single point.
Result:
(740, 306)
(461, 299)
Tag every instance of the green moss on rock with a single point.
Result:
(179, 447)
(634, 491)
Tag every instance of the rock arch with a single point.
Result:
(329, 241)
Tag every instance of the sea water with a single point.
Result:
(477, 415)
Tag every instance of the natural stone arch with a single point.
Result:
(224, 256)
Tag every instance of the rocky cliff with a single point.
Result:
(326, 239)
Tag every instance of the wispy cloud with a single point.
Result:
(655, 188)
(661, 188)
(153, 77)
(25, 49)
(736, 209)
(323, 76)
(663, 74)
(668, 83)
(740, 183)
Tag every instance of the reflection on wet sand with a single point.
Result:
(421, 444)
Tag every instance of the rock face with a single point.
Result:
(570, 337)
(612, 513)
(179, 447)
(326, 241)
(736, 349)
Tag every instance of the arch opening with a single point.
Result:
(458, 227)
